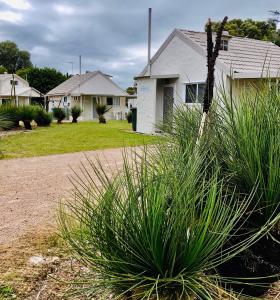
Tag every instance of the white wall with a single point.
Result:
(177, 58)
(146, 105)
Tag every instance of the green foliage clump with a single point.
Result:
(11, 114)
(75, 112)
(254, 29)
(42, 117)
(26, 115)
(59, 114)
(42, 79)
(12, 58)
(101, 109)
(3, 70)
(247, 135)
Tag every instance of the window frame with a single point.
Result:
(118, 100)
(196, 91)
(224, 44)
(107, 101)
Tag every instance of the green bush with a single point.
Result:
(129, 117)
(156, 230)
(11, 114)
(101, 109)
(26, 115)
(75, 112)
(59, 114)
(42, 117)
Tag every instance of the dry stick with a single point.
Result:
(212, 54)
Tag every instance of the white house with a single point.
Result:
(85, 91)
(177, 72)
(16, 90)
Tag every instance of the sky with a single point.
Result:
(111, 35)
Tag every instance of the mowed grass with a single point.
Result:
(68, 137)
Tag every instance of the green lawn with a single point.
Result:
(68, 137)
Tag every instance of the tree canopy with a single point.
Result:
(42, 79)
(260, 30)
(131, 90)
(12, 58)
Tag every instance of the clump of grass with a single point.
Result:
(76, 111)
(6, 292)
(10, 116)
(247, 134)
(154, 231)
(42, 117)
(59, 114)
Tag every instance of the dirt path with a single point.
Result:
(30, 189)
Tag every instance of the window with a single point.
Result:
(65, 99)
(6, 101)
(109, 101)
(224, 45)
(195, 92)
(117, 101)
(76, 98)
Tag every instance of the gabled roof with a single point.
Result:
(245, 58)
(66, 87)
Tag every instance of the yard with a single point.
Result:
(68, 137)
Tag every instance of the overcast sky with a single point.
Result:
(111, 35)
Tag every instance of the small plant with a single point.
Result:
(26, 115)
(7, 292)
(59, 114)
(129, 117)
(42, 117)
(101, 109)
(75, 112)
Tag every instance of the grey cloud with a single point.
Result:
(108, 33)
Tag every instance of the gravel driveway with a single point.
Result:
(30, 189)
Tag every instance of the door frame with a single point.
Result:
(173, 85)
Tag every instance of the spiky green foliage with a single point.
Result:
(101, 110)
(154, 229)
(42, 117)
(59, 114)
(26, 115)
(247, 135)
(11, 114)
(75, 112)
(5, 123)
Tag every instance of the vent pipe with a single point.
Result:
(80, 64)
(149, 40)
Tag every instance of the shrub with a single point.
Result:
(10, 113)
(5, 123)
(42, 117)
(75, 112)
(155, 230)
(26, 115)
(59, 114)
(129, 117)
(101, 109)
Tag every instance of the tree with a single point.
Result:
(12, 58)
(42, 79)
(260, 30)
(131, 90)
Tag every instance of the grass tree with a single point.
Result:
(26, 115)
(59, 114)
(101, 110)
(76, 111)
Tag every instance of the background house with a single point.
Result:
(86, 90)
(23, 92)
(178, 71)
